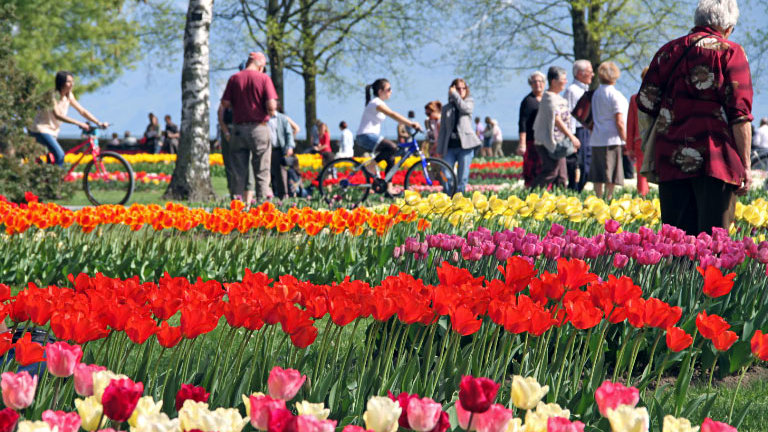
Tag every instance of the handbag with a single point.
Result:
(563, 148)
(648, 136)
(583, 110)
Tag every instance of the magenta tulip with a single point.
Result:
(284, 383)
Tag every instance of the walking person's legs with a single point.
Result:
(278, 174)
(239, 159)
(261, 160)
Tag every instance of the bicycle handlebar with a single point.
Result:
(91, 129)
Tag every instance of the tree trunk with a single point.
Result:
(274, 53)
(586, 44)
(192, 176)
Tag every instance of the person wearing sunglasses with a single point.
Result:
(376, 111)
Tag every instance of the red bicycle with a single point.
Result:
(107, 178)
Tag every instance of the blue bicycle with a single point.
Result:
(346, 182)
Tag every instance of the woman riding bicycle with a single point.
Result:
(369, 133)
(47, 123)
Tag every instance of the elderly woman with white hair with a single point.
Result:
(528, 109)
(696, 101)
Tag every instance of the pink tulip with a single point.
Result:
(260, 409)
(493, 420)
(66, 422)
(62, 358)
(610, 395)
(710, 425)
(562, 424)
(611, 226)
(18, 389)
(423, 414)
(463, 416)
(284, 383)
(620, 261)
(310, 423)
(84, 378)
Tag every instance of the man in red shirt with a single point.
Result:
(251, 96)
(699, 89)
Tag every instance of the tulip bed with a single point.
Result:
(617, 322)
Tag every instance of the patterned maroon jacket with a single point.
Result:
(709, 91)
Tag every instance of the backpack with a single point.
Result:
(583, 110)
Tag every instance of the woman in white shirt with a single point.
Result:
(47, 124)
(346, 146)
(609, 112)
(376, 111)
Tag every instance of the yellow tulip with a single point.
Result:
(35, 426)
(101, 380)
(229, 420)
(146, 406)
(195, 415)
(514, 425)
(382, 414)
(318, 410)
(156, 423)
(536, 421)
(673, 424)
(527, 392)
(90, 411)
(628, 419)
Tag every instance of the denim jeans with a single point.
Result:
(462, 157)
(53, 146)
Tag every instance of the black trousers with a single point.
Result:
(697, 204)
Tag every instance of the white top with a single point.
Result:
(370, 123)
(572, 94)
(346, 147)
(497, 136)
(761, 137)
(479, 129)
(606, 103)
(47, 123)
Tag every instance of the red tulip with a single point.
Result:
(477, 394)
(715, 284)
(8, 420)
(6, 342)
(281, 420)
(443, 423)
(167, 336)
(725, 340)
(140, 329)
(464, 321)
(711, 326)
(120, 399)
(759, 345)
(678, 339)
(188, 391)
(28, 352)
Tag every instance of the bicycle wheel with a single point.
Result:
(436, 171)
(344, 183)
(108, 179)
(761, 163)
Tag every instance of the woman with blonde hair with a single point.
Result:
(609, 134)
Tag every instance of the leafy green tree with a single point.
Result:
(94, 39)
(19, 101)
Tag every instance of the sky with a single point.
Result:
(126, 102)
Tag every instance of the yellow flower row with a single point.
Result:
(161, 158)
(306, 161)
(550, 207)
(547, 207)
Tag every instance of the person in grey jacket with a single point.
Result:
(457, 139)
(281, 134)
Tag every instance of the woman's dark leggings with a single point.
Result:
(386, 150)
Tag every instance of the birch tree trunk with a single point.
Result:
(192, 176)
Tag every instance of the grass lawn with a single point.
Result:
(151, 195)
(755, 393)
